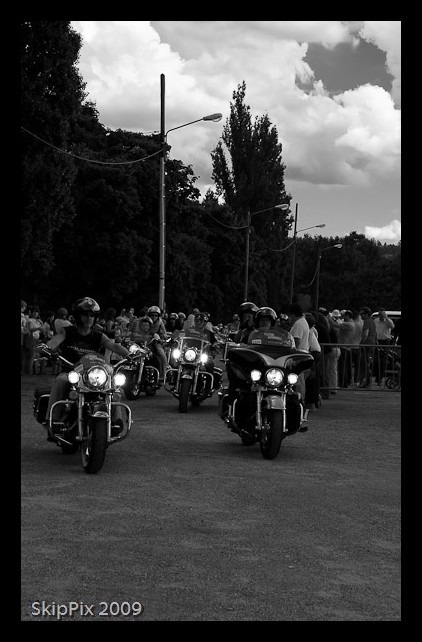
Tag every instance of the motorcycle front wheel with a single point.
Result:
(271, 442)
(184, 395)
(132, 389)
(94, 445)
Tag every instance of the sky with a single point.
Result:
(332, 89)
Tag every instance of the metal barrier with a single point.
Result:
(367, 367)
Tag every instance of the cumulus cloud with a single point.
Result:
(390, 233)
(352, 138)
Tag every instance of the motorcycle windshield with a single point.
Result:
(193, 342)
(267, 355)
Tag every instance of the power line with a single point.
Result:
(90, 160)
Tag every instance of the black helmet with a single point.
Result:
(86, 304)
(173, 315)
(248, 306)
(201, 315)
(147, 319)
(265, 312)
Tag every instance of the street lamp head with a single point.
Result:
(282, 206)
(214, 117)
(338, 245)
(322, 225)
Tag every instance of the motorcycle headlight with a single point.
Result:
(119, 379)
(274, 377)
(97, 377)
(73, 377)
(292, 378)
(176, 353)
(190, 354)
(255, 375)
(204, 358)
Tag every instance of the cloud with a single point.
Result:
(386, 35)
(390, 233)
(350, 139)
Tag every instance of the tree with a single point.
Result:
(250, 181)
(52, 92)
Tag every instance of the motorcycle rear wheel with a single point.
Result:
(184, 395)
(270, 443)
(94, 445)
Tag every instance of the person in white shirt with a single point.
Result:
(300, 333)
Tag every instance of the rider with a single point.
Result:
(247, 315)
(255, 323)
(141, 332)
(79, 341)
(159, 328)
(265, 322)
(199, 330)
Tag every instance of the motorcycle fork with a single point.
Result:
(87, 409)
(140, 371)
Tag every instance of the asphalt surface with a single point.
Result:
(184, 523)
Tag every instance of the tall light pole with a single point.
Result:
(162, 195)
(330, 247)
(281, 206)
(295, 233)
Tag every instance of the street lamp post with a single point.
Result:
(295, 233)
(281, 206)
(338, 245)
(162, 195)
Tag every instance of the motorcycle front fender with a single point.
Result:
(275, 402)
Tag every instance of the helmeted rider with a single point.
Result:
(247, 313)
(199, 330)
(173, 322)
(79, 341)
(142, 334)
(159, 328)
(265, 320)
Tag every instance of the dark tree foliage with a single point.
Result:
(51, 95)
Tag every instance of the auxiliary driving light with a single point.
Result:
(73, 377)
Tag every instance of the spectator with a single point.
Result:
(368, 339)
(173, 323)
(32, 338)
(190, 321)
(300, 332)
(182, 318)
(47, 333)
(61, 321)
(112, 331)
(331, 358)
(233, 326)
(123, 322)
(345, 338)
(24, 332)
(322, 327)
(131, 315)
(312, 381)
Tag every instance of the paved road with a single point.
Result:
(193, 525)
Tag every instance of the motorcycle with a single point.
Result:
(87, 423)
(141, 375)
(189, 382)
(266, 408)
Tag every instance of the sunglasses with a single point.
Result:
(88, 314)
(154, 315)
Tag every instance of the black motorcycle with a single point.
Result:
(141, 373)
(189, 381)
(86, 423)
(266, 407)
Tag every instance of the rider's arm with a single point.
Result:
(118, 348)
(54, 343)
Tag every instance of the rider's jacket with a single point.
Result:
(76, 345)
(273, 336)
